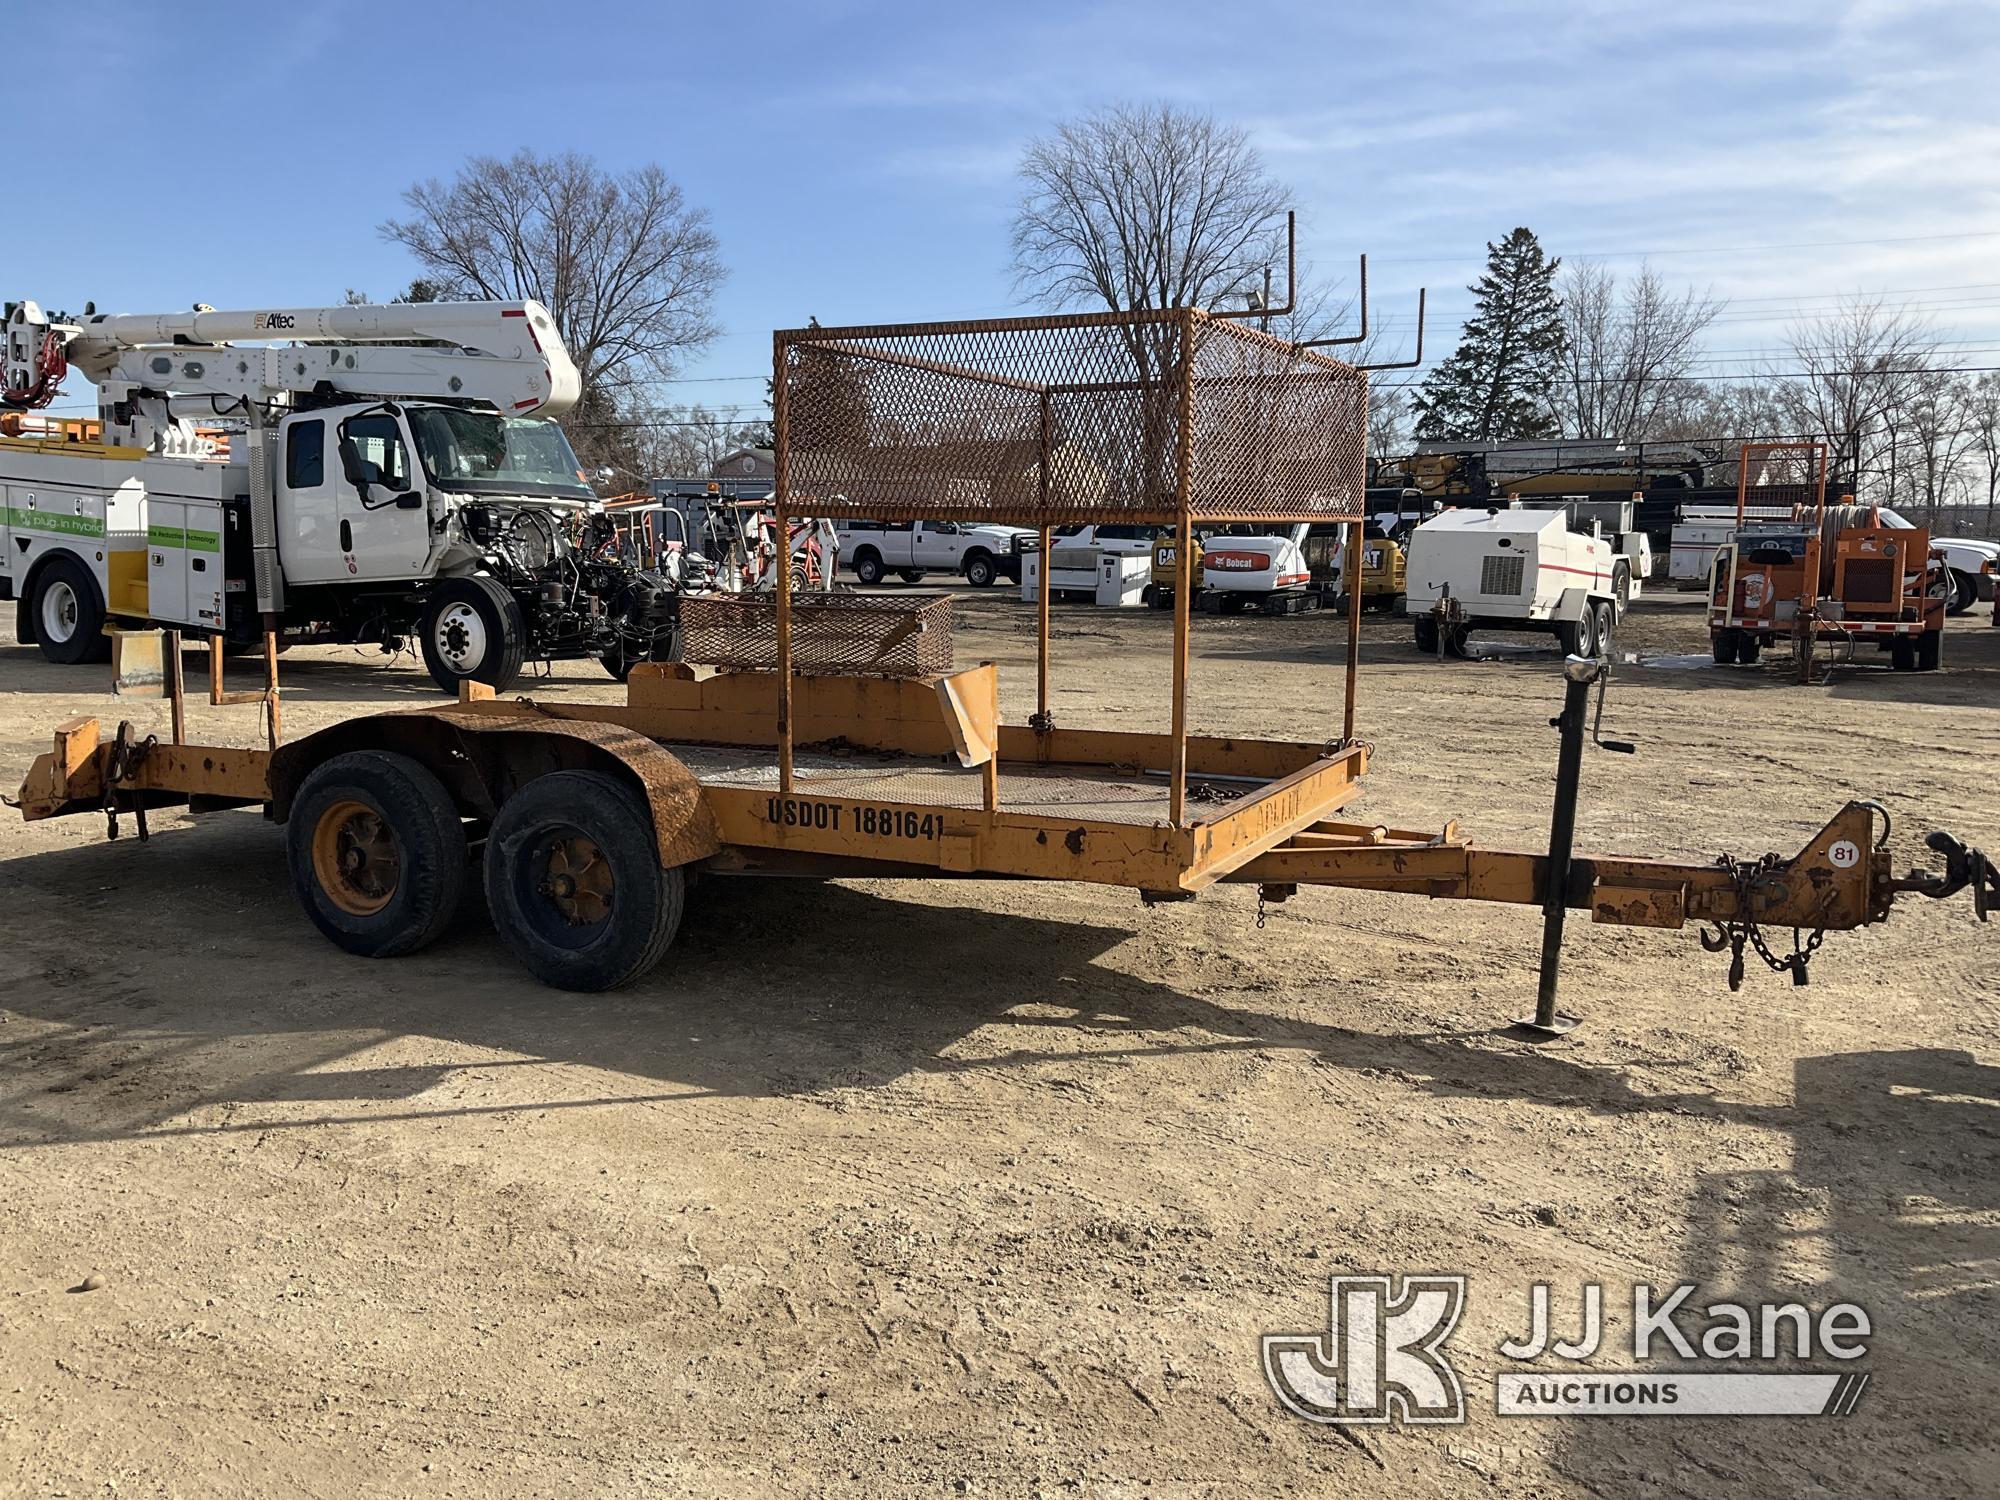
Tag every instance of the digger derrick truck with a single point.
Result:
(345, 474)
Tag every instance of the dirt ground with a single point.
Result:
(893, 1188)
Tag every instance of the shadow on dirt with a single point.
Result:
(773, 988)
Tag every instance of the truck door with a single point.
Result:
(308, 503)
(937, 544)
(384, 528)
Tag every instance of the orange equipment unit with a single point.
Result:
(1834, 573)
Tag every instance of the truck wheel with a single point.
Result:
(68, 613)
(377, 853)
(1929, 650)
(1965, 592)
(868, 566)
(575, 884)
(1724, 644)
(472, 628)
(979, 570)
(619, 661)
(1426, 627)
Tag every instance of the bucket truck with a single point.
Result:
(345, 474)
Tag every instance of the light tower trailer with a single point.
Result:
(381, 473)
(1511, 569)
(838, 742)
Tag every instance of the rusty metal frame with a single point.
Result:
(1281, 380)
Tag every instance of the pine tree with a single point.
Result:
(1496, 384)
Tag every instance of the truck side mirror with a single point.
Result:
(360, 473)
(410, 500)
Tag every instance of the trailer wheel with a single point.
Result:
(472, 628)
(1621, 585)
(1426, 630)
(68, 613)
(1578, 637)
(1748, 649)
(1724, 644)
(1607, 623)
(575, 884)
(1929, 650)
(377, 853)
(1902, 654)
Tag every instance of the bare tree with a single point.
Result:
(1144, 206)
(627, 267)
(1941, 435)
(1982, 416)
(1627, 352)
(1858, 372)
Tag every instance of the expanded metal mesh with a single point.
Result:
(833, 635)
(1782, 479)
(1044, 421)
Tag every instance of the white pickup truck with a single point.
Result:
(980, 553)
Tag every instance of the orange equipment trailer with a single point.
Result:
(837, 737)
(1826, 573)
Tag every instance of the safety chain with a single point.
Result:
(1260, 908)
(1733, 935)
(122, 765)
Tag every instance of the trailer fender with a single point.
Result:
(484, 758)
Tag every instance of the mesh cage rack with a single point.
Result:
(1042, 421)
(832, 634)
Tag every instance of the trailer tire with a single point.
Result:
(1621, 586)
(377, 853)
(67, 610)
(1724, 645)
(472, 629)
(980, 570)
(607, 915)
(1748, 649)
(1607, 627)
(1930, 650)
(1426, 631)
(868, 566)
(1578, 637)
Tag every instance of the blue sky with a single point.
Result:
(858, 158)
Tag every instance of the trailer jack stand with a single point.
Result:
(1580, 675)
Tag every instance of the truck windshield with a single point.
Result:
(489, 454)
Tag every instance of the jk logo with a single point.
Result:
(1380, 1359)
